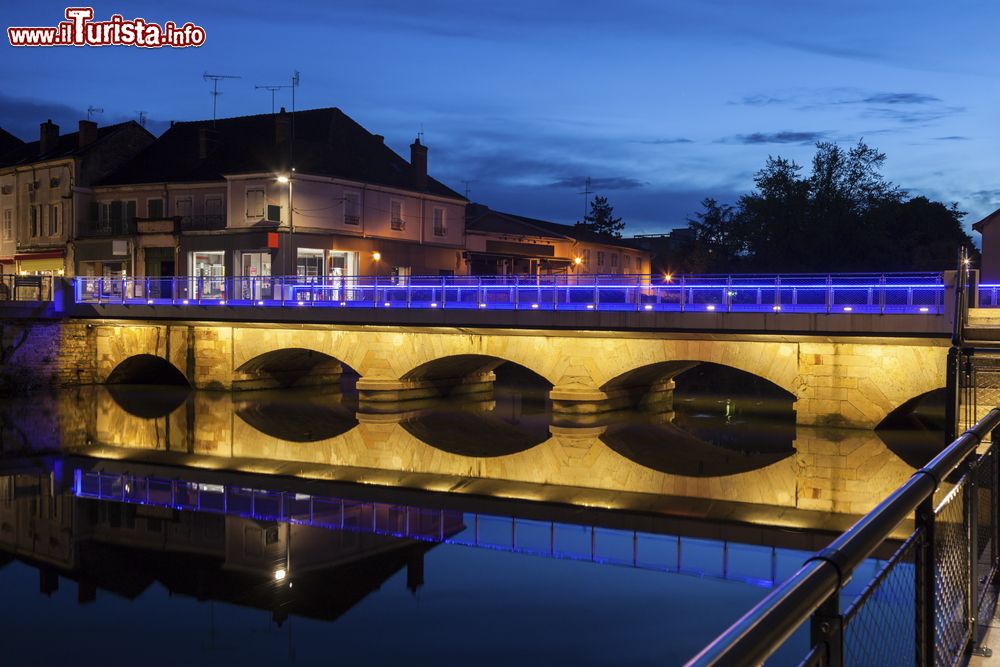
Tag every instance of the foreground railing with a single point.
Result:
(925, 606)
(843, 293)
(25, 288)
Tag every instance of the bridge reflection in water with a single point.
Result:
(693, 462)
(254, 498)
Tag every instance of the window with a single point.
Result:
(439, 226)
(33, 215)
(54, 216)
(213, 208)
(614, 260)
(396, 215)
(104, 215)
(154, 208)
(600, 258)
(182, 208)
(352, 208)
(53, 182)
(255, 203)
(638, 264)
(8, 224)
(586, 256)
(627, 263)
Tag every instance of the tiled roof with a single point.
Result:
(981, 225)
(327, 143)
(485, 219)
(66, 145)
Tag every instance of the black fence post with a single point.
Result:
(953, 402)
(827, 629)
(925, 573)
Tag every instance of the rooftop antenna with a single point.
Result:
(142, 118)
(467, 190)
(586, 198)
(215, 79)
(420, 134)
(91, 110)
(273, 89)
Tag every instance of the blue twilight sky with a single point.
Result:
(660, 102)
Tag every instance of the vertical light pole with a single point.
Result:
(286, 179)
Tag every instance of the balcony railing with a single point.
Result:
(100, 228)
(203, 223)
(832, 294)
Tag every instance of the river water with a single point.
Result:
(158, 525)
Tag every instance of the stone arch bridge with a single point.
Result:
(836, 380)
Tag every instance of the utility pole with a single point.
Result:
(586, 198)
(215, 79)
(272, 89)
(91, 110)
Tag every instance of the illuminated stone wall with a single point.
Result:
(840, 382)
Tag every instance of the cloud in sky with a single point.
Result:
(782, 137)
(517, 100)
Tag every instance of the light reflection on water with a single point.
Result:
(187, 504)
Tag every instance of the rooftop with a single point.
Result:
(65, 146)
(484, 219)
(327, 143)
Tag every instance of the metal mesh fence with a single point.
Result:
(951, 577)
(879, 627)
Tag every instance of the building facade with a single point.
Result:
(311, 194)
(46, 192)
(506, 244)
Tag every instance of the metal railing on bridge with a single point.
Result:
(930, 602)
(920, 293)
(25, 288)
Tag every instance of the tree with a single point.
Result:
(717, 243)
(844, 216)
(601, 219)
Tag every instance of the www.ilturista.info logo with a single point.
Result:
(79, 29)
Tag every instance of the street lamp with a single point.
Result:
(285, 179)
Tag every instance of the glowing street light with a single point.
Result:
(282, 178)
(376, 256)
(280, 574)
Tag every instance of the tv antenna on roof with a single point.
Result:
(272, 89)
(467, 190)
(215, 79)
(586, 198)
(91, 110)
(142, 118)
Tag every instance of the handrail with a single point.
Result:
(760, 631)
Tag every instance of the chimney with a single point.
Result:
(88, 132)
(48, 136)
(208, 141)
(202, 142)
(282, 126)
(418, 164)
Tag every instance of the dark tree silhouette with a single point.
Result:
(601, 219)
(843, 216)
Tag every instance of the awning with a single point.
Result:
(52, 254)
(33, 265)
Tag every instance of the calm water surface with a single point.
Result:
(143, 525)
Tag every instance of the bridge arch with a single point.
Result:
(461, 371)
(146, 369)
(288, 367)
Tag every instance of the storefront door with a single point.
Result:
(255, 281)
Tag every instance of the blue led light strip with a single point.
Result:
(904, 293)
(422, 524)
